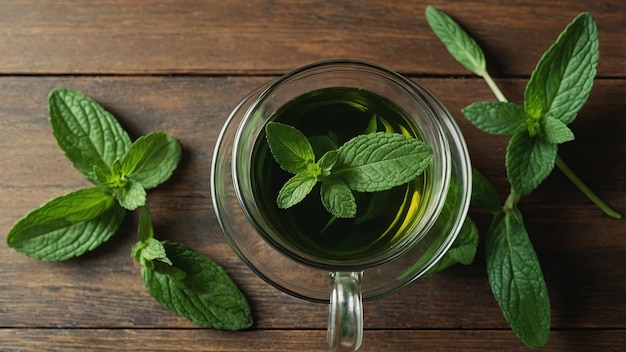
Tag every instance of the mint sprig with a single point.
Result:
(367, 163)
(189, 283)
(68, 226)
(558, 87)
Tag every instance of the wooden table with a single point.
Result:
(181, 66)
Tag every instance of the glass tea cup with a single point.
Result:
(246, 210)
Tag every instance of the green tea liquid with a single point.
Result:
(384, 219)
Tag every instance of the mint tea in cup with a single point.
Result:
(340, 182)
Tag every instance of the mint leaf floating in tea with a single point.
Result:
(366, 163)
(188, 283)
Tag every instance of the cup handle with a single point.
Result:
(345, 312)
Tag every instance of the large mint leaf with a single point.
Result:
(67, 226)
(529, 160)
(379, 161)
(501, 118)
(88, 134)
(563, 77)
(290, 147)
(459, 44)
(197, 289)
(516, 279)
(152, 159)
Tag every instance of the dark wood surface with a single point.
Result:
(181, 66)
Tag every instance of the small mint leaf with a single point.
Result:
(380, 161)
(197, 289)
(484, 194)
(154, 250)
(132, 195)
(295, 190)
(151, 159)
(529, 160)
(337, 198)
(459, 44)
(561, 82)
(516, 279)
(290, 147)
(87, 133)
(322, 144)
(327, 161)
(463, 249)
(500, 118)
(556, 131)
(67, 226)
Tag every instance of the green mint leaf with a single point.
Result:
(529, 160)
(197, 289)
(67, 226)
(132, 195)
(380, 161)
(372, 126)
(337, 198)
(484, 194)
(500, 118)
(463, 249)
(561, 82)
(516, 279)
(322, 144)
(290, 147)
(295, 190)
(556, 131)
(327, 161)
(88, 134)
(151, 159)
(459, 44)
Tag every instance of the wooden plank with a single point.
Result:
(25, 340)
(233, 37)
(582, 252)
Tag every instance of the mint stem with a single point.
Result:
(583, 188)
(494, 87)
(513, 197)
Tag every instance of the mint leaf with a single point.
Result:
(296, 188)
(380, 161)
(326, 162)
(132, 195)
(322, 144)
(529, 160)
(484, 194)
(561, 82)
(459, 44)
(462, 251)
(516, 279)
(556, 131)
(500, 118)
(290, 147)
(88, 134)
(337, 198)
(151, 159)
(197, 289)
(67, 226)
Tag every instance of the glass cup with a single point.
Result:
(341, 283)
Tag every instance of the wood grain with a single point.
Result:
(238, 37)
(97, 340)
